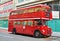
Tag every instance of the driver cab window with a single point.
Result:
(38, 22)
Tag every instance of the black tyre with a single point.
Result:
(37, 34)
(14, 31)
(48, 36)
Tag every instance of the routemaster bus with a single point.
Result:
(31, 20)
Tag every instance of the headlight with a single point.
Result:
(43, 30)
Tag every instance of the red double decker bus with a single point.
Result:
(31, 21)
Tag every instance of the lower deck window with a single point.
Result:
(24, 23)
(17, 23)
(30, 23)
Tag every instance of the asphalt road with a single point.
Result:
(5, 36)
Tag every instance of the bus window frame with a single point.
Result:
(17, 22)
(24, 23)
(30, 23)
(36, 23)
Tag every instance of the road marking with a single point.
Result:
(1, 35)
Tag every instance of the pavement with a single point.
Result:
(4, 30)
(7, 36)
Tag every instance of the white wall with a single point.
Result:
(55, 14)
(3, 1)
(28, 1)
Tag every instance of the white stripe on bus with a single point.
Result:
(28, 18)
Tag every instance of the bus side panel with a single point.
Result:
(10, 26)
(19, 29)
(28, 30)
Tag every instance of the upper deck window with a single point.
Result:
(30, 10)
(37, 9)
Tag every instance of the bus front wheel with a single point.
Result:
(37, 34)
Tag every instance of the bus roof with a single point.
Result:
(39, 5)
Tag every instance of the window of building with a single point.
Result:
(55, 7)
(59, 7)
(20, 1)
(5, 8)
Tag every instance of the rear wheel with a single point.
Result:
(37, 34)
(14, 31)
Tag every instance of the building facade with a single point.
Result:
(55, 23)
(4, 13)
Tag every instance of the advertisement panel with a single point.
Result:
(55, 14)
(8, 3)
(6, 8)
